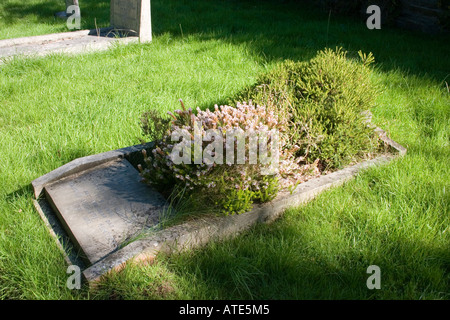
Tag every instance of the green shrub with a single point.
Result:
(325, 98)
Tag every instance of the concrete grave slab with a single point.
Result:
(102, 207)
(66, 42)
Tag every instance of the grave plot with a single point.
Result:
(95, 206)
(108, 216)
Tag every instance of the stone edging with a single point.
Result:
(48, 37)
(195, 233)
(65, 42)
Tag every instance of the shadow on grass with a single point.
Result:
(272, 30)
(276, 30)
(283, 265)
(23, 192)
(14, 11)
(278, 269)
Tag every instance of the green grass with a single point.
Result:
(59, 108)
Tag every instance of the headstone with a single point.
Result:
(132, 15)
(104, 206)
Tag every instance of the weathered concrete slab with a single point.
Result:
(104, 206)
(65, 42)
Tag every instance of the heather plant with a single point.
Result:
(232, 184)
(325, 99)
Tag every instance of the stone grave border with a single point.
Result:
(194, 233)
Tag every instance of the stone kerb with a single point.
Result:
(196, 233)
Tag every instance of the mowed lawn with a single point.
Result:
(58, 108)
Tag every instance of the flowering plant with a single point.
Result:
(219, 149)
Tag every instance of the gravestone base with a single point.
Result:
(62, 15)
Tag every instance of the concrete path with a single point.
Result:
(66, 42)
